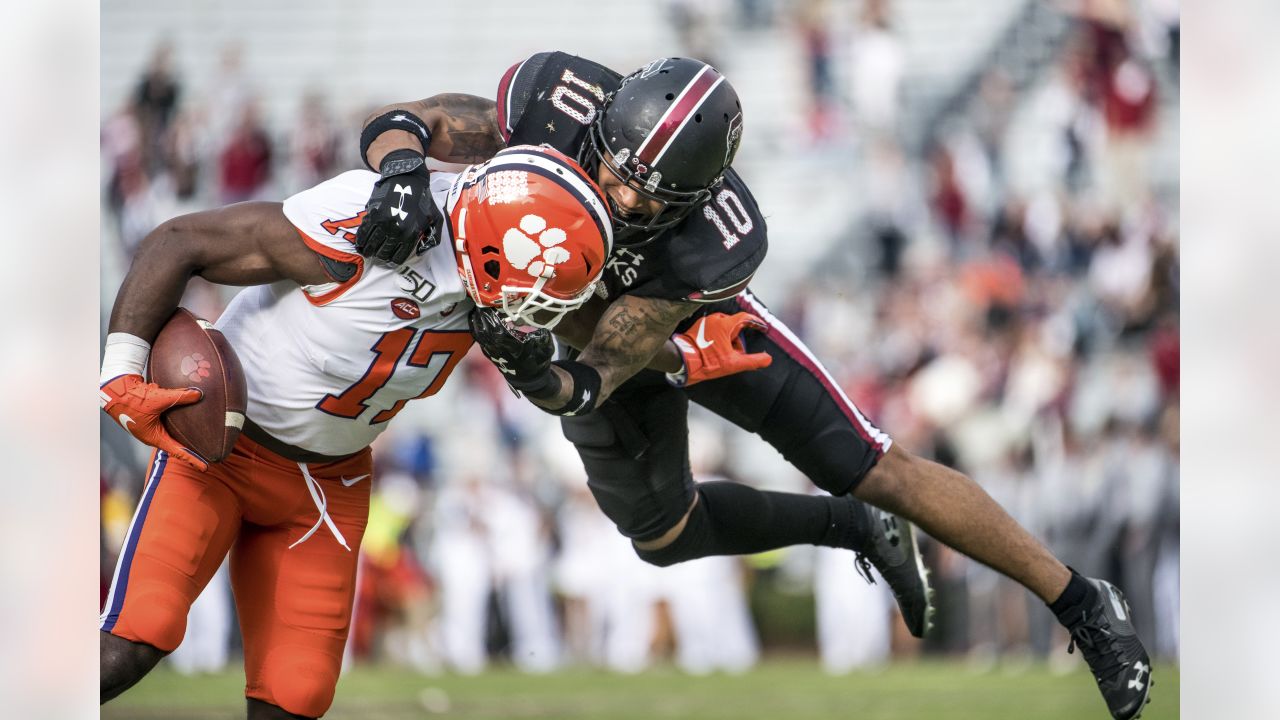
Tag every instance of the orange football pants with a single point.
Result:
(294, 604)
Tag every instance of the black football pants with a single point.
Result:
(635, 446)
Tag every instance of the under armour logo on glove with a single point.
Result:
(537, 257)
(503, 366)
(392, 232)
(398, 211)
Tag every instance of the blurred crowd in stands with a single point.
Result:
(1025, 333)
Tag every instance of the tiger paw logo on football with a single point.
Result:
(194, 367)
(534, 247)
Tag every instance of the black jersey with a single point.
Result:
(553, 98)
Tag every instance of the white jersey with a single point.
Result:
(329, 365)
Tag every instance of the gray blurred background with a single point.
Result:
(974, 222)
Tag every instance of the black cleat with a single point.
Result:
(892, 550)
(1103, 632)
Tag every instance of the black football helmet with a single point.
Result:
(669, 131)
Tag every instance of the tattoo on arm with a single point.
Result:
(576, 328)
(624, 322)
(471, 128)
(631, 332)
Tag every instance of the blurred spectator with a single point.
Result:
(1122, 85)
(877, 68)
(121, 154)
(754, 14)
(1120, 273)
(1009, 235)
(713, 628)
(313, 144)
(229, 93)
(489, 540)
(991, 115)
(814, 20)
(854, 619)
(697, 27)
(393, 610)
(245, 161)
(947, 200)
(156, 99)
(890, 203)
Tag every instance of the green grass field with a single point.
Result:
(790, 689)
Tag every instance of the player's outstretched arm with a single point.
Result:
(631, 332)
(713, 347)
(246, 244)
(451, 127)
(462, 129)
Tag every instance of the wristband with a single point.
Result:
(124, 354)
(585, 392)
(540, 388)
(402, 161)
(392, 120)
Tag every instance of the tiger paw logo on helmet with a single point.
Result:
(534, 256)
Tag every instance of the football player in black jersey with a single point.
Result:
(674, 322)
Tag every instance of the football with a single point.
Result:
(189, 352)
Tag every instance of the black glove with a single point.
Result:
(401, 218)
(523, 357)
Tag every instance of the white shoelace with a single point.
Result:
(322, 504)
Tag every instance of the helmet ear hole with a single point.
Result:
(671, 96)
(493, 268)
(488, 250)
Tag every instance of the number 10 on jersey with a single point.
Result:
(437, 353)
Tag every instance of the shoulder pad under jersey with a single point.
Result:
(552, 98)
(713, 254)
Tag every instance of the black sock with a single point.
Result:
(746, 520)
(1076, 594)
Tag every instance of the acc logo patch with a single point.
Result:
(406, 309)
(534, 256)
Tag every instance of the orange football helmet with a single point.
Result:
(531, 231)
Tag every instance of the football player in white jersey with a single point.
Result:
(333, 345)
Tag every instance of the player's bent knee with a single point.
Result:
(893, 480)
(692, 540)
(158, 617)
(300, 680)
